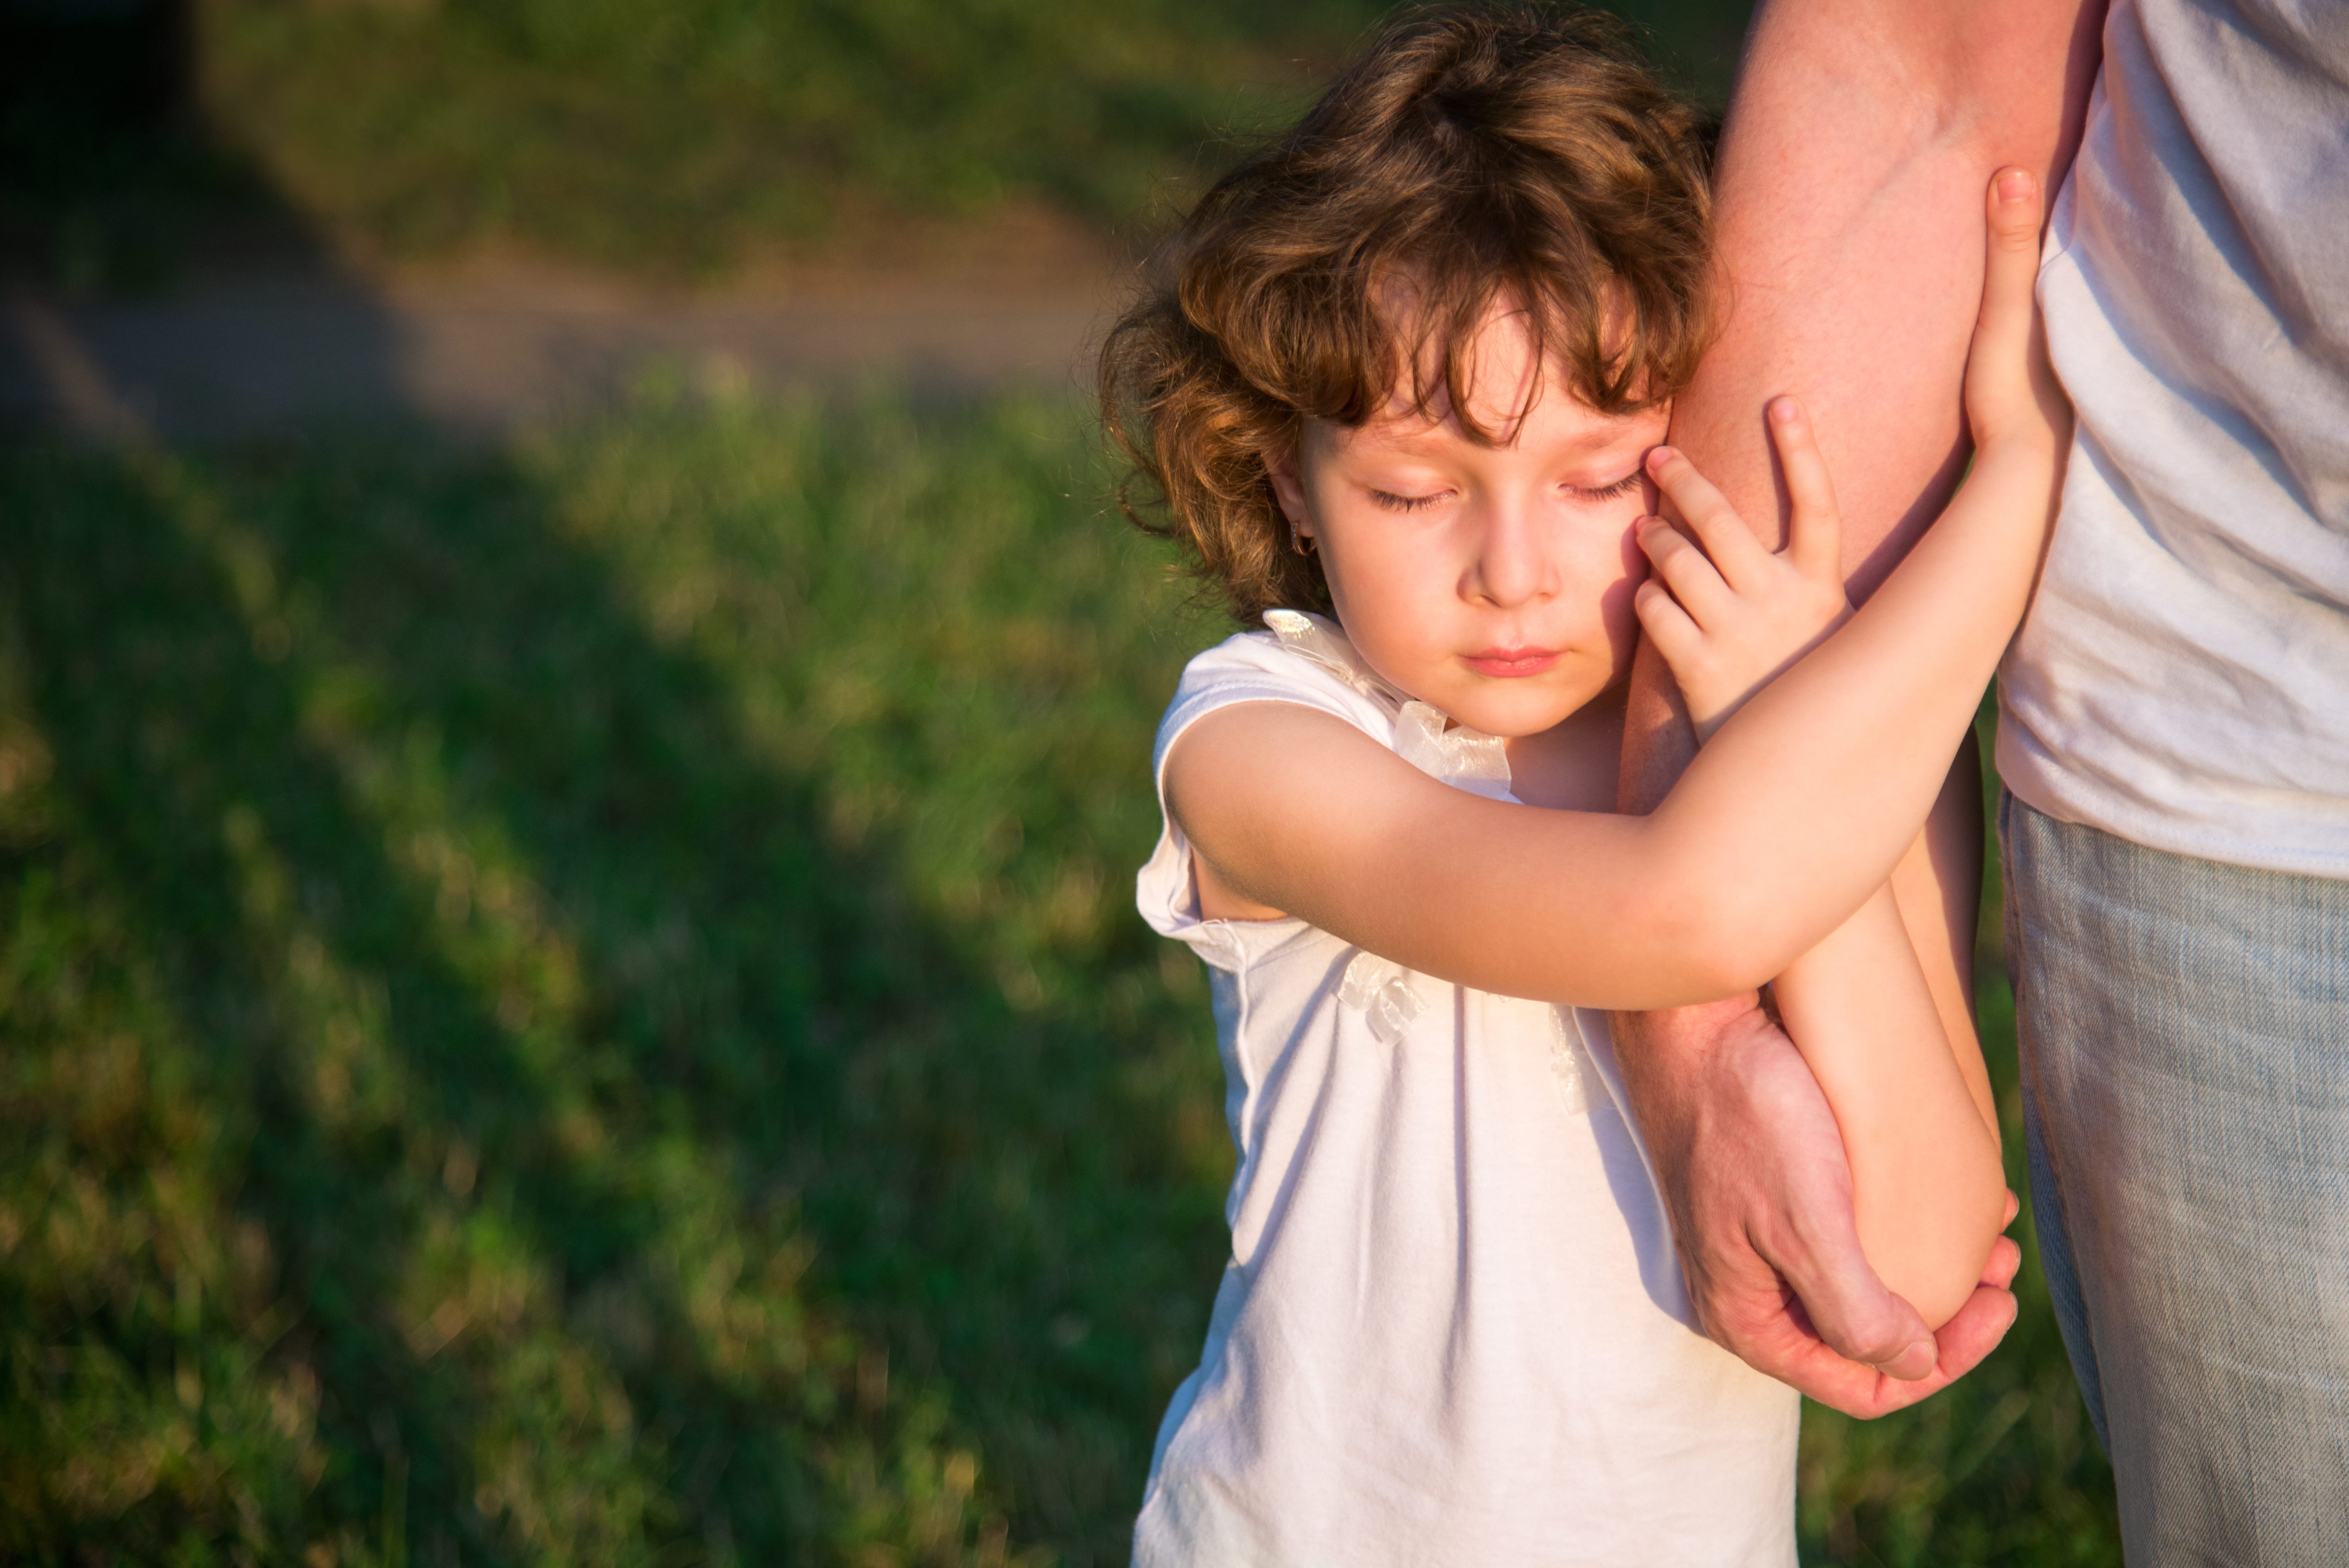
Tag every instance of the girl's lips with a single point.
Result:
(1507, 663)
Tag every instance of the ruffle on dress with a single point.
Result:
(1425, 735)
(1431, 741)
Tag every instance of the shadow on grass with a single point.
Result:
(580, 1006)
(564, 1122)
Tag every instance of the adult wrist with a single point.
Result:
(1669, 1050)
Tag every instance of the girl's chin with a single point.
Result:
(1517, 720)
(1514, 709)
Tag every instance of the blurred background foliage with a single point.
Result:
(693, 130)
(679, 138)
(577, 1001)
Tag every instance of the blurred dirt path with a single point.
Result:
(481, 350)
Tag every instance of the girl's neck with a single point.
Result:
(1572, 765)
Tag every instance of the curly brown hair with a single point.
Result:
(1523, 150)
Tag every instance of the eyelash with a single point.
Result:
(1393, 502)
(1621, 487)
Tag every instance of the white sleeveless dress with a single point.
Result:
(1452, 1329)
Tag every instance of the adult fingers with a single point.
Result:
(1861, 1320)
(1852, 1387)
(1784, 1349)
(1726, 539)
(1975, 1332)
(1814, 538)
(1694, 581)
(2005, 1259)
(1862, 1391)
(1847, 1303)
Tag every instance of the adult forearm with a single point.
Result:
(1849, 241)
(1852, 271)
(1851, 165)
(1807, 799)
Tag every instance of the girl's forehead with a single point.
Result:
(1500, 351)
(1553, 421)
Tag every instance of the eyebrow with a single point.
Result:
(1446, 434)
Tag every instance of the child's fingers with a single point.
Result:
(1693, 580)
(1726, 539)
(1814, 538)
(2011, 266)
(1666, 626)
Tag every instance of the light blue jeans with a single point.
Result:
(2185, 1036)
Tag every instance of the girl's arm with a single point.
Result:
(1875, 1008)
(1785, 823)
(1913, 1102)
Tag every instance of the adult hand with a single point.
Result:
(1754, 1178)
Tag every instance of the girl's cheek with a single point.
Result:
(1622, 624)
(1377, 579)
(1616, 599)
(1630, 560)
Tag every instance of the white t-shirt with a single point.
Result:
(2182, 680)
(1453, 1329)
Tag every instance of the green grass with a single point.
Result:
(581, 1005)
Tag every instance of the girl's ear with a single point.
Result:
(1287, 489)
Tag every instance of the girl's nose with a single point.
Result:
(1510, 567)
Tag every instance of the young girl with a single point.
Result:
(1409, 370)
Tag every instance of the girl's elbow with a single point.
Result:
(1942, 1296)
(1936, 1267)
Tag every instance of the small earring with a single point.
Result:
(1297, 540)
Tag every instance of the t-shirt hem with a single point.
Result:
(2053, 792)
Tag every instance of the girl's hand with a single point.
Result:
(2012, 396)
(1729, 618)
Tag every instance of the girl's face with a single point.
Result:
(1494, 581)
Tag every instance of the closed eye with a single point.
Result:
(1621, 487)
(1393, 502)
